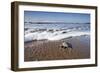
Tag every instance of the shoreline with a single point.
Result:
(51, 50)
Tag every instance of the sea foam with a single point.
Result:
(55, 35)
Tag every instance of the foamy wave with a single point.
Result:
(52, 35)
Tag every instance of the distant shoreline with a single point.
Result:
(56, 23)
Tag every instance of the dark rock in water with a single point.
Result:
(51, 30)
(69, 45)
(66, 45)
(64, 32)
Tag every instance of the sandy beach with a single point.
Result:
(52, 50)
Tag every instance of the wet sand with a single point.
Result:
(52, 50)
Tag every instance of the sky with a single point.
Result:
(40, 16)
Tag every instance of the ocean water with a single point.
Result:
(57, 26)
(54, 31)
